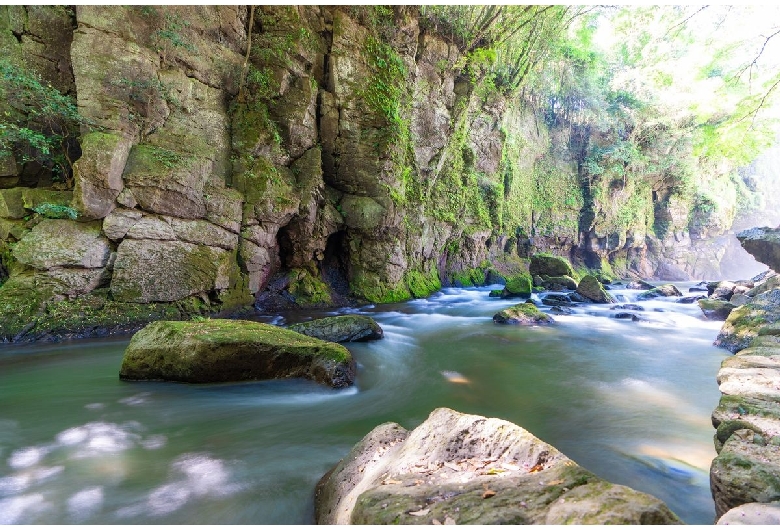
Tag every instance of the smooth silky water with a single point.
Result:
(630, 401)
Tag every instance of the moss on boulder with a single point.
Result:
(592, 289)
(667, 289)
(166, 271)
(63, 243)
(716, 309)
(421, 284)
(518, 286)
(343, 328)
(213, 351)
(547, 265)
(525, 314)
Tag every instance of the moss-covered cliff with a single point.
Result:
(307, 155)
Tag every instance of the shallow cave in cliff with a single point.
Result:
(335, 264)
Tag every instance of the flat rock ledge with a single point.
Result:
(219, 350)
(464, 469)
(344, 328)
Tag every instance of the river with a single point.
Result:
(630, 401)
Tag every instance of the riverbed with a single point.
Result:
(628, 400)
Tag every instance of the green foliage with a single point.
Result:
(55, 211)
(385, 89)
(37, 122)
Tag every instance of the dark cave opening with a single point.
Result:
(335, 264)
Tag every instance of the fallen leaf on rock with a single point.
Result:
(494, 471)
(488, 493)
(420, 513)
(537, 467)
(555, 482)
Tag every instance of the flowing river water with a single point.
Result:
(630, 401)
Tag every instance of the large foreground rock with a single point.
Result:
(344, 328)
(464, 469)
(214, 351)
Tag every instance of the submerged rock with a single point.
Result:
(556, 300)
(657, 292)
(344, 328)
(592, 289)
(525, 314)
(465, 469)
(215, 351)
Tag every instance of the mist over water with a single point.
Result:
(631, 401)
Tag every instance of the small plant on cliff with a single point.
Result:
(38, 123)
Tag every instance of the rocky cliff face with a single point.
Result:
(345, 156)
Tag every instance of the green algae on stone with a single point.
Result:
(211, 351)
(421, 284)
(518, 286)
(547, 265)
(524, 314)
(593, 290)
(307, 289)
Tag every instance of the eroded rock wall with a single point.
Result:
(347, 156)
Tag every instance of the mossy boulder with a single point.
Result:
(11, 204)
(716, 309)
(746, 470)
(344, 328)
(63, 243)
(307, 289)
(592, 289)
(661, 291)
(215, 351)
(546, 265)
(746, 321)
(518, 286)
(465, 469)
(421, 284)
(525, 314)
(165, 271)
(558, 283)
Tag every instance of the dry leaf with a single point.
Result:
(449, 520)
(537, 467)
(555, 482)
(420, 513)
(488, 493)
(494, 471)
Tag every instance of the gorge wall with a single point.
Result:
(349, 155)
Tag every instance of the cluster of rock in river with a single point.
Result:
(457, 468)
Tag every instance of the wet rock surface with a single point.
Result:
(216, 351)
(464, 469)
